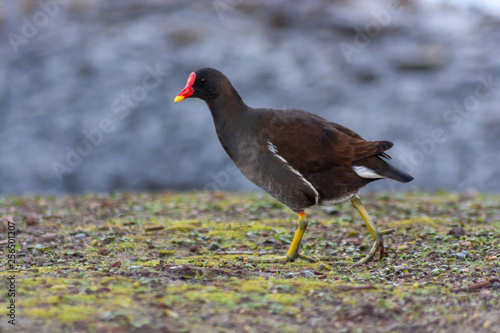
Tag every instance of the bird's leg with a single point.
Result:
(378, 236)
(293, 251)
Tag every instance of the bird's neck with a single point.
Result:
(230, 116)
(227, 106)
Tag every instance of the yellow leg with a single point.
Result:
(293, 251)
(377, 235)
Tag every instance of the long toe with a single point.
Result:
(379, 244)
(279, 259)
(269, 260)
(310, 259)
(385, 232)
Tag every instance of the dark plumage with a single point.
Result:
(297, 157)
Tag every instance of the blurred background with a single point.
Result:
(87, 87)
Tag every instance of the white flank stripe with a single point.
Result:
(274, 150)
(365, 172)
(305, 180)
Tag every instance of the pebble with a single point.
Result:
(461, 255)
(213, 247)
(314, 321)
(49, 237)
(495, 285)
(436, 271)
(331, 210)
(401, 268)
(457, 231)
(308, 274)
(80, 236)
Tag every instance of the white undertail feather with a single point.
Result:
(365, 172)
(273, 149)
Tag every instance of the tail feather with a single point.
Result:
(394, 173)
(384, 169)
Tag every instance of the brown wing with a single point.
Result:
(311, 144)
(353, 134)
(347, 131)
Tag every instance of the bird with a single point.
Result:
(298, 157)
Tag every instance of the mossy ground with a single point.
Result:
(141, 262)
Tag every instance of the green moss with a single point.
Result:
(170, 275)
(259, 285)
(65, 313)
(285, 299)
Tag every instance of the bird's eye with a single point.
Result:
(202, 80)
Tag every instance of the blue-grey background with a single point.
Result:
(87, 87)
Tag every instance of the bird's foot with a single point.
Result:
(378, 247)
(285, 259)
(279, 259)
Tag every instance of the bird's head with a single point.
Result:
(205, 83)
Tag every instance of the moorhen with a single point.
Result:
(297, 157)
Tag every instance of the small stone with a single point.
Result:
(195, 248)
(103, 251)
(171, 313)
(456, 231)
(30, 221)
(268, 242)
(400, 268)
(314, 321)
(81, 235)
(49, 237)
(436, 271)
(5, 223)
(461, 255)
(308, 274)
(331, 210)
(117, 264)
(354, 241)
(213, 247)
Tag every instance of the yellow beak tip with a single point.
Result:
(178, 99)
